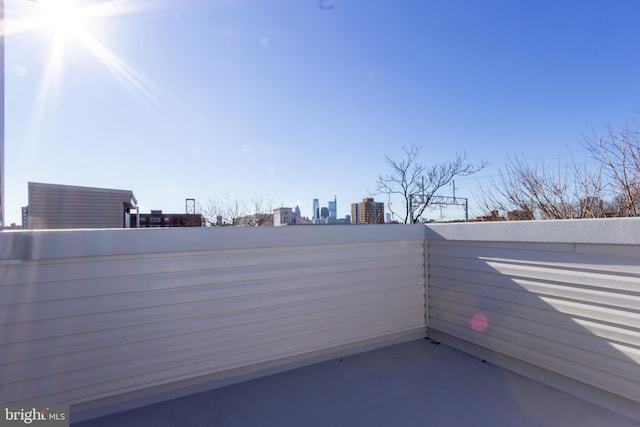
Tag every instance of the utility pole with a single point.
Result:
(441, 201)
(452, 201)
(190, 206)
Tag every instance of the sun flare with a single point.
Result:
(75, 24)
(64, 18)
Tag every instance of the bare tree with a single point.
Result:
(526, 191)
(589, 190)
(261, 212)
(409, 178)
(618, 153)
(507, 193)
(611, 188)
(232, 210)
(222, 211)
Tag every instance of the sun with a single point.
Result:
(64, 18)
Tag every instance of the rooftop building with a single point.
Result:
(159, 219)
(286, 216)
(54, 206)
(255, 220)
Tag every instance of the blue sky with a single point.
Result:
(289, 101)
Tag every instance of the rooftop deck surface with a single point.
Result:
(419, 383)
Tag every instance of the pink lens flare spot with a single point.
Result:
(479, 322)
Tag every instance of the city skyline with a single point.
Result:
(283, 99)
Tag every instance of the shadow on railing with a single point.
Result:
(569, 307)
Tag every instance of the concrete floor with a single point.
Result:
(419, 383)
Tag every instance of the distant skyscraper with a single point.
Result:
(25, 217)
(316, 209)
(333, 208)
(388, 217)
(297, 211)
(324, 213)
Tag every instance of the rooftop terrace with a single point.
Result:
(326, 325)
(418, 383)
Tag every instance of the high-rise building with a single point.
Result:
(367, 212)
(25, 216)
(324, 213)
(297, 212)
(333, 208)
(316, 209)
(355, 213)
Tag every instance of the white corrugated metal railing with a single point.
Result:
(563, 296)
(88, 315)
(104, 317)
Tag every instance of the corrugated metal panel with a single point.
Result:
(59, 206)
(571, 308)
(81, 328)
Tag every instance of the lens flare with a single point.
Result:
(479, 322)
